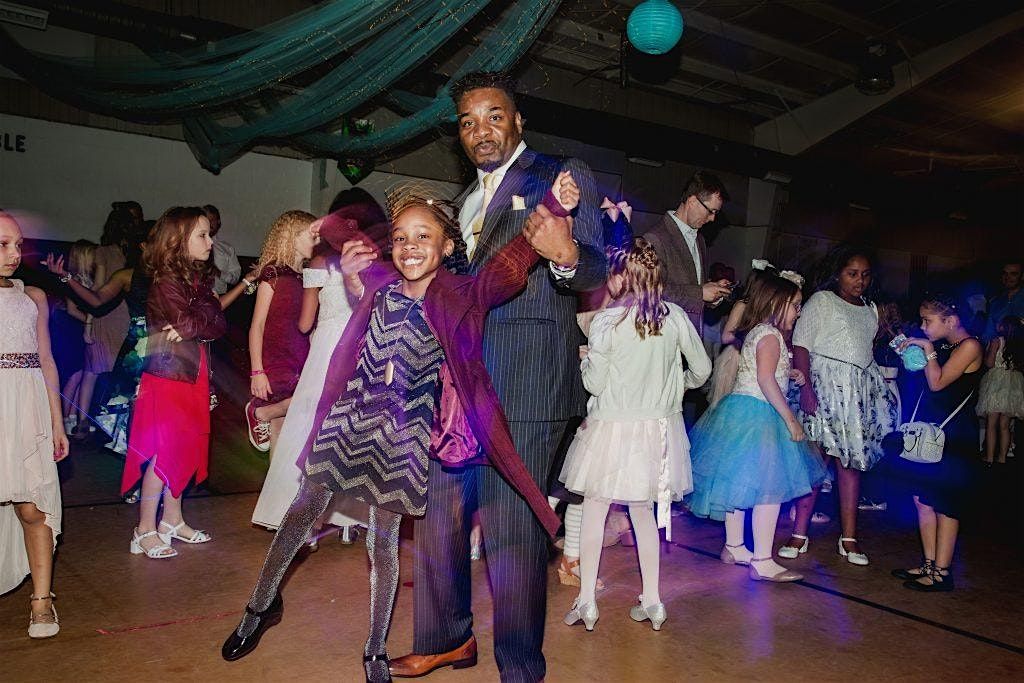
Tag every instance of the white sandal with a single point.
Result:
(43, 629)
(198, 536)
(157, 552)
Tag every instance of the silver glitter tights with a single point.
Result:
(381, 546)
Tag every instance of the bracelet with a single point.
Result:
(250, 286)
(65, 278)
(256, 373)
(932, 356)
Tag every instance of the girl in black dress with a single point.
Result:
(941, 489)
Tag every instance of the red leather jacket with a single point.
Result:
(455, 308)
(194, 311)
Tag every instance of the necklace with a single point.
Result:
(389, 367)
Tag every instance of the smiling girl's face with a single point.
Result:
(419, 247)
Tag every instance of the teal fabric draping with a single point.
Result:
(228, 94)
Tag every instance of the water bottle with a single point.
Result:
(913, 356)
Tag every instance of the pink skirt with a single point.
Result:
(171, 426)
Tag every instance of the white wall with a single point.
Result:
(68, 175)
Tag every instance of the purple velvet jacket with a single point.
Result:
(455, 308)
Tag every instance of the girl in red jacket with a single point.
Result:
(170, 427)
(406, 382)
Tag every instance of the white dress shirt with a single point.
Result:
(475, 199)
(690, 235)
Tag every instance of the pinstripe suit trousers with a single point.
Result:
(516, 556)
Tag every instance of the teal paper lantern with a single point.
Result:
(654, 27)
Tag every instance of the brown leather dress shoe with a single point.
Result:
(414, 666)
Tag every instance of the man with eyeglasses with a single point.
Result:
(681, 248)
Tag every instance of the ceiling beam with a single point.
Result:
(558, 56)
(827, 11)
(796, 131)
(594, 36)
(706, 23)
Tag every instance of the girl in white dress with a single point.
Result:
(1001, 395)
(33, 438)
(845, 404)
(326, 303)
(632, 448)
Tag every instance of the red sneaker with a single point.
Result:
(259, 431)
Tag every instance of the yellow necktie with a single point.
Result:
(488, 181)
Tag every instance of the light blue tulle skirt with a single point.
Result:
(742, 456)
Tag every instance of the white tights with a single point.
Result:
(763, 522)
(648, 546)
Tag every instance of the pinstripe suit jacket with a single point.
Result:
(678, 271)
(531, 342)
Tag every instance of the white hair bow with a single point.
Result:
(794, 277)
(761, 264)
(613, 210)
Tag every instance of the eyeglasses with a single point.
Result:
(711, 212)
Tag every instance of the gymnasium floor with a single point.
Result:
(126, 617)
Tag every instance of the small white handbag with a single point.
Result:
(924, 442)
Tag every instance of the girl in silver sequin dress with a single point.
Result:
(846, 407)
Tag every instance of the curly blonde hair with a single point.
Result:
(641, 285)
(279, 245)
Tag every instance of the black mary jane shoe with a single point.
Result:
(909, 575)
(370, 659)
(236, 647)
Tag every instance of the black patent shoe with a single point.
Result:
(236, 647)
(373, 676)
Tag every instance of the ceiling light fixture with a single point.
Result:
(875, 76)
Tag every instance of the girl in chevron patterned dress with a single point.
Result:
(378, 417)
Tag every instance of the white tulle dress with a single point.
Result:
(633, 447)
(28, 473)
(284, 476)
(1002, 388)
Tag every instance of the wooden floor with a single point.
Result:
(128, 618)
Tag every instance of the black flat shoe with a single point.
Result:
(236, 647)
(909, 575)
(368, 661)
(941, 582)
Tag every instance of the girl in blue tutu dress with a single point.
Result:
(632, 449)
(750, 451)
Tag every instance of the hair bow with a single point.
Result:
(794, 277)
(613, 210)
(761, 264)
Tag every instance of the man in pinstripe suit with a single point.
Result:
(530, 350)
